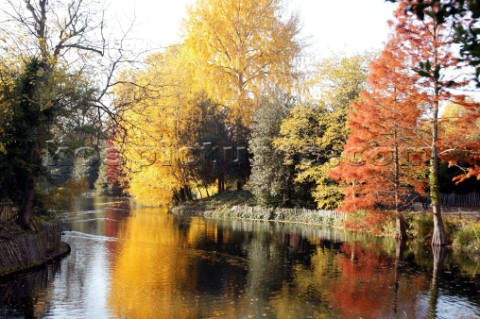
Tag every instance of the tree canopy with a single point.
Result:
(313, 135)
(242, 48)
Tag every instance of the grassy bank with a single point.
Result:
(241, 205)
(219, 203)
(464, 232)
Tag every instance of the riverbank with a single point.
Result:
(241, 205)
(22, 250)
(463, 229)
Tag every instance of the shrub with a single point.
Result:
(420, 226)
(467, 239)
(376, 223)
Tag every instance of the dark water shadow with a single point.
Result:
(19, 295)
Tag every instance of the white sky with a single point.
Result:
(328, 25)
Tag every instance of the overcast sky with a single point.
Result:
(328, 25)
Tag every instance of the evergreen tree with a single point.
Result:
(24, 137)
(271, 179)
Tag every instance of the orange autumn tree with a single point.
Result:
(378, 166)
(472, 167)
(111, 179)
(429, 78)
(428, 46)
(462, 142)
(114, 169)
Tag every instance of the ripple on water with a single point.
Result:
(449, 306)
(80, 235)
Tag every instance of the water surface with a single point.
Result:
(145, 263)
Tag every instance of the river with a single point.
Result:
(146, 263)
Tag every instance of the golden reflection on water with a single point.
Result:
(156, 272)
(169, 267)
(148, 264)
(164, 266)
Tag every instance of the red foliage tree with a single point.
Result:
(425, 75)
(473, 162)
(378, 168)
(112, 178)
(461, 142)
(113, 161)
(428, 45)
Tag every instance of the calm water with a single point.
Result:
(148, 264)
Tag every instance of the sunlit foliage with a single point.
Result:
(428, 46)
(242, 48)
(160, 106)
(379, 162)
(313, 135)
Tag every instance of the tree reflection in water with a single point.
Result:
(176, 268)
(439, 254)
(163, 266)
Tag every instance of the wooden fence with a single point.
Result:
(461, 200)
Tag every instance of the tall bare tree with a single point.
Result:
(66, 67)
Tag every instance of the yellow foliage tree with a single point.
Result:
(159, 106)
(241, 48)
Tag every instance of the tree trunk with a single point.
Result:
(181, 196)
(439, 237)
(25, 213)
(221, 184)
(206, 189)
(189, 193)
(400, 228)
(26, 209)
(176, 197)
(289, 190)
(352, 255)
